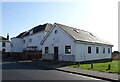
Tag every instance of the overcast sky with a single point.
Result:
(96, 16)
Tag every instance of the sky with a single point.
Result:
(97, 16)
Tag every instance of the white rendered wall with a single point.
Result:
(7, 46)
(0, 46)
(78, 51)
(60, 40)
(36, 39)
(82, 52)
(17, 44)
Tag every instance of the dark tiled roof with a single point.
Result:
(39, 28)
(45, 27)
(81, 35)
(21, 34)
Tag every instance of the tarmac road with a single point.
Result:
(19, 71)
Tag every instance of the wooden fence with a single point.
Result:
(116, 56)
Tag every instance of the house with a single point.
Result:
(5, 45)
(29, 40)
(65, 43)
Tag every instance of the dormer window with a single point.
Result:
(76, 30)
(31, 32)
(92, 34)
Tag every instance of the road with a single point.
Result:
(18, 71)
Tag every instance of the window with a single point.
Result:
(30, 40)
(103, 50)
(3, 50)
(31, 32)
(92, 34)
(67, 49)
(46, 49)
(56, 31)
(23, 41)
(3, 44)
(89, 49)
(108, 50)
(97, 50)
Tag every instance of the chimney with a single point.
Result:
(7, 36)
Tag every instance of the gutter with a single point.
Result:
(91, 43)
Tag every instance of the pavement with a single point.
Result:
(60, 67)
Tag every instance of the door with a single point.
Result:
(55, 53)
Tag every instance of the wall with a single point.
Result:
(17, 44)
(0, 46)
(60, 39)
(7, 46)
(82, 52)
(36, 39)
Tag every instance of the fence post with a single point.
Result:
(91, 65)
(78, 64)
(109, 67)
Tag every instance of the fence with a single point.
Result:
(116, 56)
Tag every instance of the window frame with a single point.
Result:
(46, 50)
(3, 50)
(97, 50)
(89, 49)
(30, 40)
(67, 49)
(109, 50)
(56, 31)
(103, 50)
(3, 44)
(24, 41)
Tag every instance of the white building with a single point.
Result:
(66, 43)
(5, 45)
(30, 40)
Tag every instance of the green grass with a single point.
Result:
(103, 67)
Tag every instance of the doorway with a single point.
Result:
(55, 53)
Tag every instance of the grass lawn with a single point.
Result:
(103, 67)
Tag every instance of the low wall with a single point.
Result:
(70, 58)
(5, 54)
(26, 55)
(48, 56)
(60, 57)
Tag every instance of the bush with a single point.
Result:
(116, 52)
